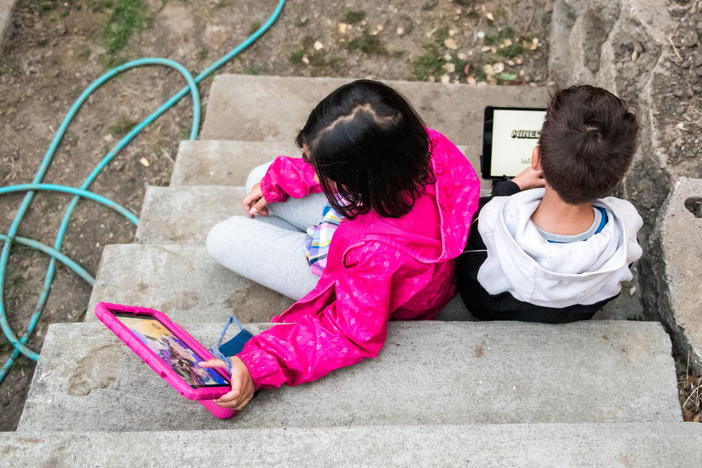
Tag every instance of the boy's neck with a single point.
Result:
(558, 217)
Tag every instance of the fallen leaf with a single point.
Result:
(508, 76)
(534, 43)
(445, 79)
(318, 45)
(489, 16)
(450, 67)
(697, 417)
(144, 162)
(471, 80)
(400, 30)
(450, 44)
(342, 27)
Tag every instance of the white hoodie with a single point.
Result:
(521, 262)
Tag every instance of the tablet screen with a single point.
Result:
(513, 136)
(172, 351)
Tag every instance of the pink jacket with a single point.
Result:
(377, 269)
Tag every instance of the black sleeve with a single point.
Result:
(504, 187)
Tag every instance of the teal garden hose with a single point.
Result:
(19, 344)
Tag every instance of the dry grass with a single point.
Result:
(690, 394)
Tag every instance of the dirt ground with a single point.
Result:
(58, 47)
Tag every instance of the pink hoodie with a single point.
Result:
(378, 269)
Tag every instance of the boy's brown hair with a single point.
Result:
(587, 143)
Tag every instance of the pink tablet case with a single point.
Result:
(203, 395)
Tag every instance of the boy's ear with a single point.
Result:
(535, 159)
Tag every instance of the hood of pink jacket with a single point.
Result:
(436, 229)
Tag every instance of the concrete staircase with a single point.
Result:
(596, 393)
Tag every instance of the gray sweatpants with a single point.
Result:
(270, 250)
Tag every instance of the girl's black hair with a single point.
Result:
(368, 146)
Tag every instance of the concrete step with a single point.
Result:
(427, 373)
(514, 445)
(186, 214)
(208, 162)
(213, 162)
(269, 108)
(182, 281)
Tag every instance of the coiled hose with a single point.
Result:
(54, 252)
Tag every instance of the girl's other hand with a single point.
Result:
(530, 178)
(242, 384)
(254, 203)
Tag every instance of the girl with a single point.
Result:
(405, 196)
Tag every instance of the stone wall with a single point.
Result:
(648, 53)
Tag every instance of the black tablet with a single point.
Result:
(509, 136)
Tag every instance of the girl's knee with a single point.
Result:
(256, 175)
(221, 237)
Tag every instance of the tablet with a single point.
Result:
(169, 350)
(509, 136)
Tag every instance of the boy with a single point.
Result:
(558, 253)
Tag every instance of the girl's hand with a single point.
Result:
(242, 384)
(530, 178)
(254, 203)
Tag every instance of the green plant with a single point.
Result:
(367, 43)
(296, 56)
(254, 26)
(121, 126)
(127, 17)
(512, 50)
(427, 65)
(253, 70)
(353, 16)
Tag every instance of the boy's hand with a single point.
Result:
(254, 203)
(242, 384)
(530, 178)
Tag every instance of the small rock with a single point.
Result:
(534, 43)
(450, 67)
(318, 45)
(480, 34)
(342, 27)
(445, 79)
(690, 39)
(305, 60)
(452, 32)
(450, 44)
(471, 80)
(400, 30)
(698, 59)
(499, 67)
(144, 162)
(489, 16)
